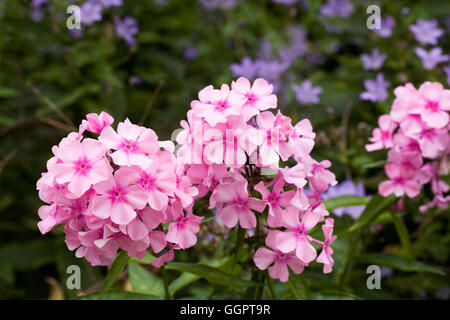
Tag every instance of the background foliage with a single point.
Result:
(45, 71)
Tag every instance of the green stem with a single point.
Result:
(304, 282)
(352, 244)
(293, 290)
(166, 283)
(403, 234)
(271, 289)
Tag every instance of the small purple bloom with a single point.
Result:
(431, 58)
(426, 31)
(247, 68)
(190, 52)
(337, 8)
(386, 272)
(111, 3)
(135, 80)
(443, 293)
(376, 89)
(447, 71)
(343, 189)
(91, 11)
(216, 4)
(306, 93)
(126, 28)
(386, 27)
(271, 70)
(374, 60)
(37, 9)
(286, 2)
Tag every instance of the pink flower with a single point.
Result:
(96, 123)
(401, 182)
(296, 238)
(119, 196)
(258, 96)
(276, 199)
(436, 104)
(182, 231)
(325, 256)
(237, 205)
(132, 143)
(159, 184)
(382, 137)
(279, 270)
(83, 164)
(216, 105)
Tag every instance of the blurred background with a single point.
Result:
(146, 60)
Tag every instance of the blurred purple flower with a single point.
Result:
(374, 60)
(135, 80)
(286, 2)
(37, 9)
(297, 47)
(190, 52)
(426, 31)
(431, 58)
(337, 8)
(126, 28)
(306, 93)
(443, 293)
(91, 11)
(271, 70)
(385, 272)
(447, 71)
(343, 189)
(386, 27)
(111, 3)
(247, 68)
(376, 89)
(216, 4)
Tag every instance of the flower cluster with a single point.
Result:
(232, 145)
(117, 191)
(416, 132)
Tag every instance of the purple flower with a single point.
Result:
(447, 71)
(337, 8)
(190, 52)
(111, 3)
(126, 29)
(431, 58)
(374, 61)
(443, 293)
(216, 4)
(247, 68)
(426, 31)
(37, 9)
(343, 189)
(271, 70)
(386, 27)
(376, 89)
(297, 47)
(306, 93)
(91, 11)
(135, 80)
(286, 2)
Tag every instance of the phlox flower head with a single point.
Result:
(416, 133)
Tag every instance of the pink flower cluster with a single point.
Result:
(232, 147)
(416, 132)
(117, 191)
(128, 190)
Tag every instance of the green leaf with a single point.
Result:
(120, 262)
(143, 281)
(183, 280)
(146, 260)
(334, 295)
(211, 274)
(397, 262)
(116, 294)
(6, 92)
(345, 201)
(375, 206)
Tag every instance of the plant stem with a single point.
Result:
(293, 290)
(403, 235)
(166, 283)
(271, 289)
(302, 278)
(352, 244)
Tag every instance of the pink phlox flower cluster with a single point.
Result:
(236, 151)
(119, 191)
(416, 133)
